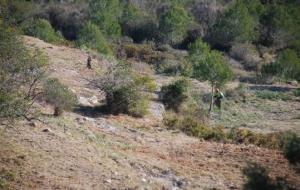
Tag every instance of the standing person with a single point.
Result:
(218, 97)
(89, 62)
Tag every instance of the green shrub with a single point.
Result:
(287, 66)
(43, 30)
(236, 25)
(138, 25)
(173, 24)
(258, 178)
(193, 126)
(126, 92)
(296, 92)
(208, 64)
(20, 73)
(271, 95)
(291, 148)
(91, 36)
(175, 94)
(106, 14)
(59, 96)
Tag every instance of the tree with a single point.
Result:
(236, 25)
(173, 24)
(20, 73)
(106, 14)
(59, 96)
(91, 36)
(43, 30)
(209, 65)
(288, 65)
(280, 25)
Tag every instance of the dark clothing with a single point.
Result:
(218, 97)
(218, 103)
(89, 63)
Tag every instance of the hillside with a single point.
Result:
(86, 149)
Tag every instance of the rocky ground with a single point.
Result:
(85, 150)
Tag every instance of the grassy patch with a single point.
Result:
(6, 177)
(296, 92)
(272, 95)
(194, 126)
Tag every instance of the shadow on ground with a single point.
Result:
(91, 111)
(272, 88)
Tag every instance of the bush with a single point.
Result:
(175, 94)
(59, 96)
(193, 126)
(271, 95)
(43, 30)
(208, 64)
(137, 25)
(106, 15)
(291, 148)
(126, 92)
(91, 36)
(173, 24)
(287, 66)
(174, 67)
(258, 179)
(296, 92)
(20, 74)
(236, 25)
(247, 54)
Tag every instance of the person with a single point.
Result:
(89, 62)
(218, 97)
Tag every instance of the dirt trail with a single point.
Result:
(82, 151)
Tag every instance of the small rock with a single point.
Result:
(93, 100)
(293, 83)
(108, 181)
(144, 180)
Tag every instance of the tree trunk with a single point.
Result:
(212, 98)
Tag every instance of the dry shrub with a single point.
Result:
(247, 54)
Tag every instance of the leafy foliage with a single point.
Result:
(106, 14)
(286, 66)
(175, 94)
(138, 25)
(208, 64)
(126, 92)
(258, 178)
(91, 36)
(291, 148)
(20, 73)
(236, 25)
(42, 29)
(59, 96)
(173, 24)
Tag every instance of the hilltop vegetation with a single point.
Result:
(270, 28)
(154, 66)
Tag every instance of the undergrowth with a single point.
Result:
(196, 126)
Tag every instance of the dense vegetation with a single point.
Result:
(265, 26)
(20, 73)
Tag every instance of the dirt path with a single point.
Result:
(79, 151)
